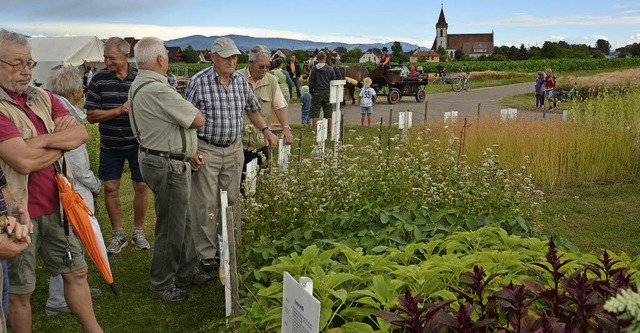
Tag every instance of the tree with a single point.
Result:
(396, 50)
(441, 51)
(550, 50)
(459, 54)
(522, 53)
(190, 55)
(603, 45)
(341, 50)
(352, 55)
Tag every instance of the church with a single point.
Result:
(474, 45)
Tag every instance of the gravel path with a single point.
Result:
(465, 102)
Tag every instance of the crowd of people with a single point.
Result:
(185, 150)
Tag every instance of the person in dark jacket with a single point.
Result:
(319, 84)
(336, 69)
(293, 68)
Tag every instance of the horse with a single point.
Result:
(354, 76)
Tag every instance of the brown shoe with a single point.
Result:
(172, 294)
(198, 279)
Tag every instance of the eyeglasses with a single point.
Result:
(21, 66)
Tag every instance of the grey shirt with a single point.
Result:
(160, 112)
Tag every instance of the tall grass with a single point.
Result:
(603, 147)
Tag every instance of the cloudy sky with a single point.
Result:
(513, 22)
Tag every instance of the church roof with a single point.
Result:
(442, 22)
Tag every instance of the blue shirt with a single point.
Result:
(222, 107)
(106, 91)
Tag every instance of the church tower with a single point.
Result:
(441, 31)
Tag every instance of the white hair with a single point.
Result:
(147, 51)
(10, 37)
(65, 81)
(258, 50)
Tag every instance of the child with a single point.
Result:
(305, 101)
(420, 70)
(412, 70)
(549, 84)
(366, 98)
(540, 91)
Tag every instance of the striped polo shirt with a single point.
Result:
(106, 91)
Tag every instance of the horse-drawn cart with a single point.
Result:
(390, 83)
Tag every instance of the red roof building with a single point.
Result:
(472, 44)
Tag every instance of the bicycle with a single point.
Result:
(571, 95)
(463, 81)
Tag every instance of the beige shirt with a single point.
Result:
(160, 112)
(278, 101)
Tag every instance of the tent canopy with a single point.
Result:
(78, 51)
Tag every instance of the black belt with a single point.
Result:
(165, 154)
(215, 143)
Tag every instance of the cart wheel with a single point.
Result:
(421, 95)
(394, 95)
(456, 84)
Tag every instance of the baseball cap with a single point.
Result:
(225, 47)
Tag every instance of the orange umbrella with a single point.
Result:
(85, 226)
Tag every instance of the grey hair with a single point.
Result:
(65, 81)
(147, 51)
(7, 36)
(258, 50)
(118, 43)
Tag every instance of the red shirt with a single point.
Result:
(43, 191)
(549, 82)
(384, 57)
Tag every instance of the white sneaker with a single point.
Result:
(139, 241)
(118, 241)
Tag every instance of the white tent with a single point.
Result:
(52, 52)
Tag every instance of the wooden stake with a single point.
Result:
(426, 111)
(233, 265)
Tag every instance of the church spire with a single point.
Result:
(442, 22)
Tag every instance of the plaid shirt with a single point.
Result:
(222, 108)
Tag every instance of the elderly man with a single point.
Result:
(320, 79)
(223, 95)
(164, 124)
(35, 130)
(265, 86)
(106, 103)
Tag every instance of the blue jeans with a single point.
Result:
(5, 288)
(174, 256)
(296, 82)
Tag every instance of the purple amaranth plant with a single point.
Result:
(419, 319)
(473, 292)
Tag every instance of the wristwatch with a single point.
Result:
(288, 127)
(265, 128)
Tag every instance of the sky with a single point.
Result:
(514, 22)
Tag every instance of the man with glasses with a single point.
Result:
(35, 131)
(265, 86)
(223, 96)
(106, 103)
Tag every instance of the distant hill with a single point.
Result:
(245, 43)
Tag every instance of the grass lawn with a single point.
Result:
(134, 310)
(596, 216)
